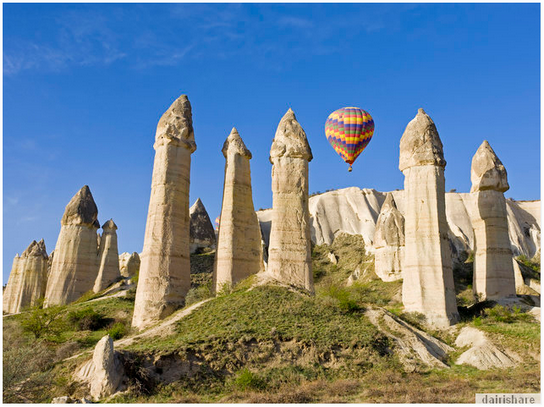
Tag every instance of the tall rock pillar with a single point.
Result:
(289, 250)
(108, 257)
(74, 267)
(165, 268)
(494, 276)
(27, 280)
(239, 250)
(389, 241)
(427, 276)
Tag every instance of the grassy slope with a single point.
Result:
(271, 344)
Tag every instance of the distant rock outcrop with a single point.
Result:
(74, 267)
(27, 280)
(289, 253)
(165, 271)
(389, 242)
(201, 228)
(129, 264)
(493, 269)
(239, 250)
(427, 275)
(108, 257)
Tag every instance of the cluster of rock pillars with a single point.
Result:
(413, 247)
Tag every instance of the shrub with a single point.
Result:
(86, 319)
(118, 330)
(43, 322)
(246, 380)
(344, 299)
(198, 294)
(508, 315)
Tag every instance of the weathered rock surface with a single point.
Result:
(417, 350)
(389, 241)
(74, 267)
(493, 269)
(129, 264)
(483, 354)
(201, 228)
(27, 280)
(427, 274)
(164, 278)
(239, 250)
(104, 372)
(108, 257)
(289, 253)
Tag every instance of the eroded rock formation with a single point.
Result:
(165, 268)
(389, 242)
(74, 267)
(289, 253)
(493, 269)
(427, 275)
(108, 257)
(27, 280)
(129, 264)
(239, 250)
(201, 228)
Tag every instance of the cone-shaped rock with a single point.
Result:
(74, 267)
(494, 276)
(389, 241)
(108, 257)
(165, 268)
(289, 253)
(239, 249)
(427, 274)
(129, 264)
(27, 280)
(201, 229)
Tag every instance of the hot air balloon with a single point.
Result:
(349, 130)
(217, 222)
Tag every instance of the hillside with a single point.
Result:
(268, 343)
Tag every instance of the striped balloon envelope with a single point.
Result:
(349, 130)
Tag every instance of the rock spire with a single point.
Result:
(389, 241)
(108, 257)
(494, 276)
(289, 253)
(27, 280)
(427, 275)
(164, 278)
(74, 267)
(202, 233)
(239, 249)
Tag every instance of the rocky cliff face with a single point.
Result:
(355, 211)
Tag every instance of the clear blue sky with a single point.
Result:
(85, 85)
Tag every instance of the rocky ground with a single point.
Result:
(266, 343)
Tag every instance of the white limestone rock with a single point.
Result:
(28, 279)
(239, 249)
(108, 257)
(427, 273)
(165, 268)
(289, 252)
(129, 264)
(389, 242)
(493, 270)
(74, 268)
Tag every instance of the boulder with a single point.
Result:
(289, 252)
(165, 270)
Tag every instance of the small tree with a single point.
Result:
(42, 322)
